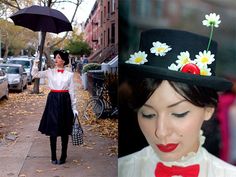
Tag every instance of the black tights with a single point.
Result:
(53, 145)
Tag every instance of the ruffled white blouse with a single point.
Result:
(143, 163)
(57, 81)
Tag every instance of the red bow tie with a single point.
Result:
(60, 70)
(165, 171)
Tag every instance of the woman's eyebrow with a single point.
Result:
(172, 105)
(147, 105)
(175, 104)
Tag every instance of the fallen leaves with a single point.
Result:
(17, 107)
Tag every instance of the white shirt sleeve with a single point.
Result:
(72, 93)
(38, 74)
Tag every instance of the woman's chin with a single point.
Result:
(168, 156)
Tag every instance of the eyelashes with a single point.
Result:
(148, 116)
(181, 115)
(177, 115)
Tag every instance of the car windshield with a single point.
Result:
(24, 63)
(11, 70)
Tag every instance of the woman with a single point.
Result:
(173, 93)
(61, 104)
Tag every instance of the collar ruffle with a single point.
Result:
(191, 157)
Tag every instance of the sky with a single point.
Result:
(82, 13)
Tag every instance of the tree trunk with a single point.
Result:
(36, 83)
(49, 61)
(6, 49)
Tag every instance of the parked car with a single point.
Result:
(27, 63)
(17, 76)
(3, 84)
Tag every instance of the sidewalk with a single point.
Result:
(29, 154)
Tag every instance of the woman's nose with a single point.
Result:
(163, 127)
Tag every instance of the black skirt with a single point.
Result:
(58, 116)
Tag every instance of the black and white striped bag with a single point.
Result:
(77, 133)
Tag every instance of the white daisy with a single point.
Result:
(183, 59)
(204, 58)
(160, 49)
(212, 20)
(137, 58)
(173, 67)
(205, 71)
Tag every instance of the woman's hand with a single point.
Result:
(75, 113)
(36, 62)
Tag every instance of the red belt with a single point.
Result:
(59, 90)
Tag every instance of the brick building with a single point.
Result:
(101, 30)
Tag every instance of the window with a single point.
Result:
(101, 18)
(108, 37)
(104, 13)
(113, 25)
(104, 43)
(108, 9)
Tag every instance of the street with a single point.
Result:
(25, 152)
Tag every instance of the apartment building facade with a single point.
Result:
(101, 30)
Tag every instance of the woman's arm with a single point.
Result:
(72, 95)
(35, 71)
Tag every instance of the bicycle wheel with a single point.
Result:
(94, 107)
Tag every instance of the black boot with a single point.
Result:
(64, 144)
(53, 145)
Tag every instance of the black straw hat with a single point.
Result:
(63, 54)
(164, 50)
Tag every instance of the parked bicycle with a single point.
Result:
(100, 104)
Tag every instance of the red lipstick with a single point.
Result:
(167, 147)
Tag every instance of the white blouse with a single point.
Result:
(57, 81)
(143, 164)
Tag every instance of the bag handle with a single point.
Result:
(76, 118)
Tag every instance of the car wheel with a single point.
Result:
(21, 87)
(7, 94)
(25, 87)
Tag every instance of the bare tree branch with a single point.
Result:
(10, 4)
(72, 19)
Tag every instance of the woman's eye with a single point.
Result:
(148, 116)
(180, 115)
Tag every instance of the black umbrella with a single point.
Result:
(42, 18)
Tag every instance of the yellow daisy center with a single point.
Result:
(160, 49)
(138, 60)
(204, 59)
(185, 60)
(203, 72)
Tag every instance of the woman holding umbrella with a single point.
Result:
(61, 104)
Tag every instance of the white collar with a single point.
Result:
(190, 158)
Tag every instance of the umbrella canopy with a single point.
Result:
(42, 18)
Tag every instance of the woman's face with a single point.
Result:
(59, 62)
(171, 124)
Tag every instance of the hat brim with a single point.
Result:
(146, 71)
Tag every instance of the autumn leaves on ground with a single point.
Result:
(15, 111)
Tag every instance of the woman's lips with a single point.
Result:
(167, 147)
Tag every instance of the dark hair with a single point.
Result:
(142, 89)
(63, 54)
